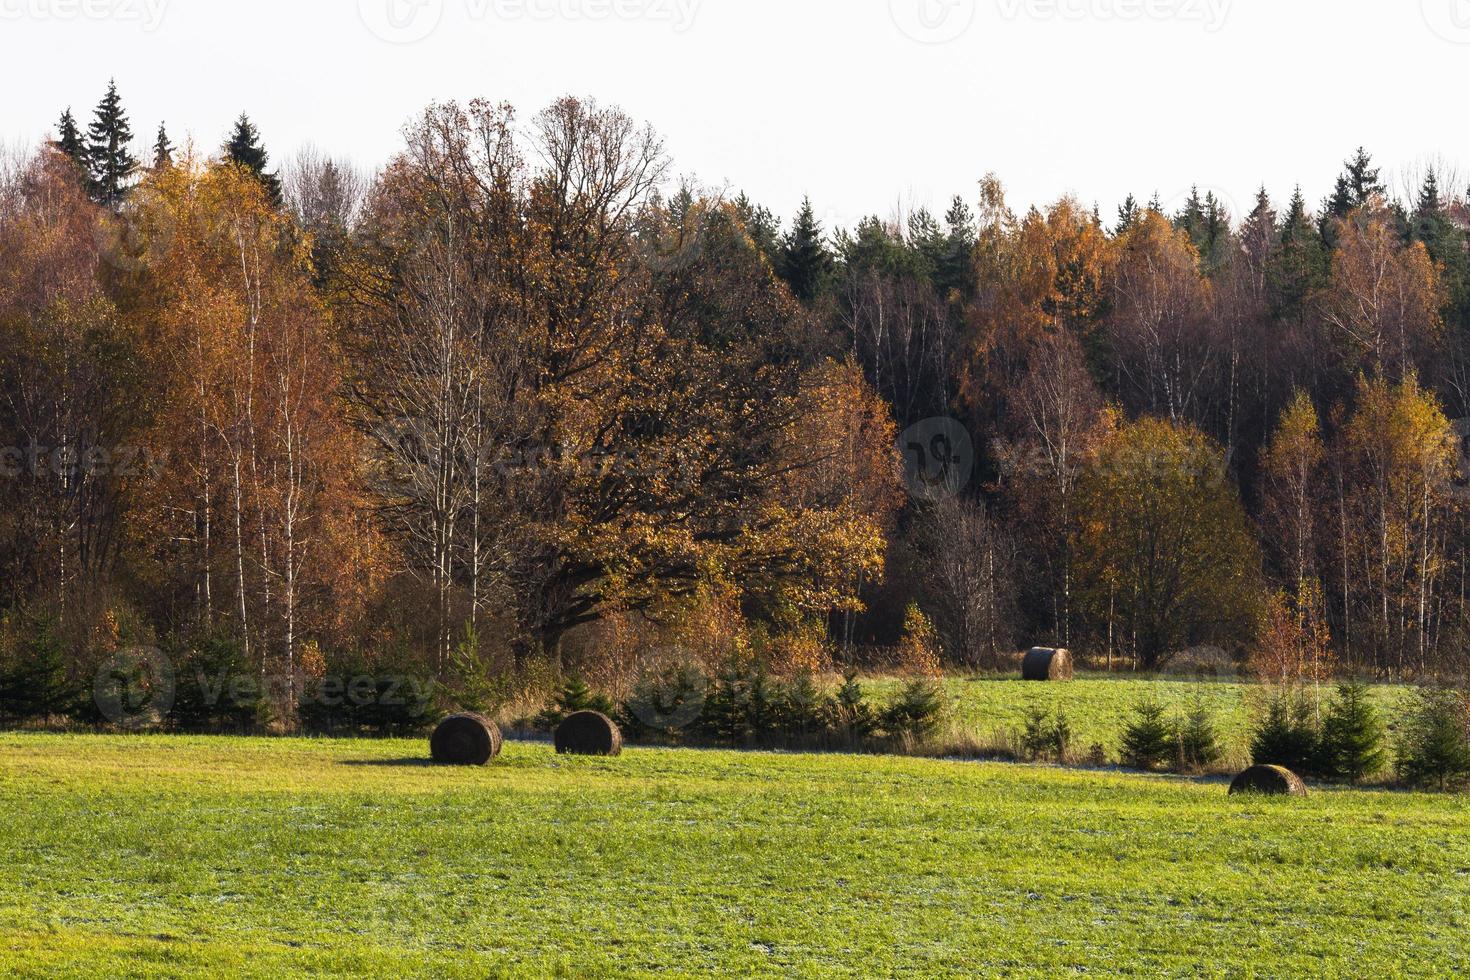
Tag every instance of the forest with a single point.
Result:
(524, 403)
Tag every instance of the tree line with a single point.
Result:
(524, 397)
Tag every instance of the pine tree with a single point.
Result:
(1259, 236)
(1355, 187)
(1287, 736)
(1301, 261)
(761, 225)
(1195, 739)
(163, 150)
(111, 163)
(69, 141)
(1446, 244)
(244, 149)
(1128, 215)
(1191, 219)
(805, 263)
(1352, 735)
(1147, 739)
(956, 273)
(1434, 746)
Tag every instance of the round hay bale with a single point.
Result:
(465, 740)
(588, 733)
(1047, 664)
(1269, 780)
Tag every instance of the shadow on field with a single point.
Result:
(389, 763)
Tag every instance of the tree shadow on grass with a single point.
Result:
(391, 763)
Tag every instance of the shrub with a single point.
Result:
(806, 710)
(1147, 739)
(665, 701)
(853, 717)
(916, 713)
(573, 697)
(34, 685)
(1044, 738)
(1352, 743)
(1287, 736)
(918, 647)
(1434, 748)
(1196, 742)
(474, 685)
(215, 689)
(354, 696)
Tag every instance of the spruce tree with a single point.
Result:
(1352, 735)
(1259, 236)
(69, 141)
(244, 149)
(1445, 243)
(1301, 263)
(1287, 736)
(1355, 187)
(1148, 740)
(163, 150)
(111, 163)
(805, 263)
(761, 225)
(1434, 745)
(1128, 215)
(956, 273)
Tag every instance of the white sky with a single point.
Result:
(788, 97)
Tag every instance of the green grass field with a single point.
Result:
(148, 856)
(1098, 706)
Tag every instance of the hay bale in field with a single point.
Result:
(465, 740)
(1269, 780)
(1047, 664)
(588, 733)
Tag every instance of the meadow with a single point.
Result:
(174, 856)
(986, 709)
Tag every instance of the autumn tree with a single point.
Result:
(1165, 556)
(74, 383)
(583, 397)
(1395, 456)
(263, 465)
(1157, 330)
(1382, 305)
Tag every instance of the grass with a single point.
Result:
(168, 856)
(1098, 706)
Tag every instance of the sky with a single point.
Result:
(868, 106)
